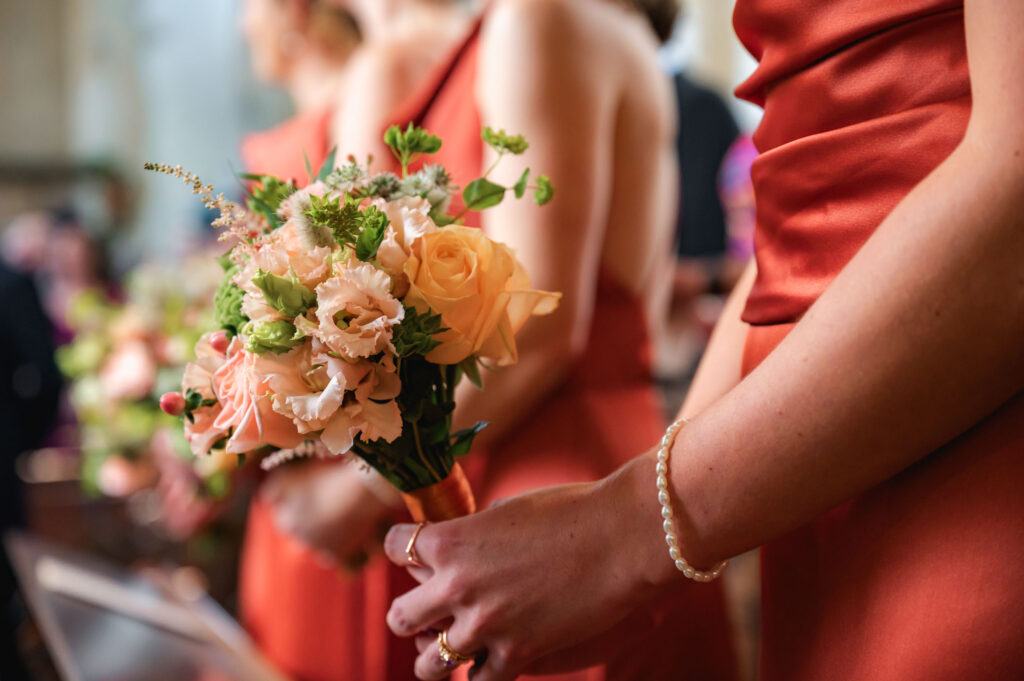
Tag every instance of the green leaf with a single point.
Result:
(502, 141)
(462, 440)
(277, 337)
(327, 167)
(287, 296)
(520, 186)
(482, 193)
(544, 192)
(309, 168)
(392, 137)
(440, 219)
(193, 401)
(266, 197)
(227, 304)
(343, 219)
(471, 369)
(374, 223)
(415, 335)
(413, 140)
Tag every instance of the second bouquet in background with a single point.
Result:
(349, 311)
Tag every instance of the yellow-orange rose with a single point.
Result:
(480, 290)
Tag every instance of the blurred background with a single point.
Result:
(91, 90)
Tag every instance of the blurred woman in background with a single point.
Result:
(305, 46)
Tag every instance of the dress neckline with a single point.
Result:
(416, 107)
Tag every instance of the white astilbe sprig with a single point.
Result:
(239, 224)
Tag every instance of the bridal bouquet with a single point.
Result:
(349, 311)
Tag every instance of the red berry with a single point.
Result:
(172, 403)
(219, 341)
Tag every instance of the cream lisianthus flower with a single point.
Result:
(343, 399)
(409, 217)
(408, 221)
(283, 254)
(356, 311)
(480, 290)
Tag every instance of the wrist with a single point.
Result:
(636, 520)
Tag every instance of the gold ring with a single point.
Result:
(410, 549)
(448, 655)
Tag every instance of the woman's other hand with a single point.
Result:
(331, 507)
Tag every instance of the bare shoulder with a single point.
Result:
(378, 65)
(535, 24)
(597, 33)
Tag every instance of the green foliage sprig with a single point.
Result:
(410, 144)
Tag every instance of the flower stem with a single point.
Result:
(419, 450)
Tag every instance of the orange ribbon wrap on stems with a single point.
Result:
(451, 498)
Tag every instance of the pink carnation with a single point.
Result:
(246, 407)
(201, 433)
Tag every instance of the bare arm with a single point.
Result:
(720, 367)
(560, 112)
(377, 83)
(916, 340)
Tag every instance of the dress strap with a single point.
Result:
(415, 109)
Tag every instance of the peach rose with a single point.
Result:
(356, 311)
(246, 406)
(480, 290)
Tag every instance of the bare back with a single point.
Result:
(579, 77)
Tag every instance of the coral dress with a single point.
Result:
(314, 621)
(918, 578)
(605, 413)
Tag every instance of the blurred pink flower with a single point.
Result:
(129, 372)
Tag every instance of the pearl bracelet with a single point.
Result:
(666, 512)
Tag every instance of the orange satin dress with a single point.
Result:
(313, 620)
(606, 412)
(919, 578)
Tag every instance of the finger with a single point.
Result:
(420, 574)
(426, 641)
(429, 665)
(492, 667)
(490, 671)
(422, 607)
(396, 544)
